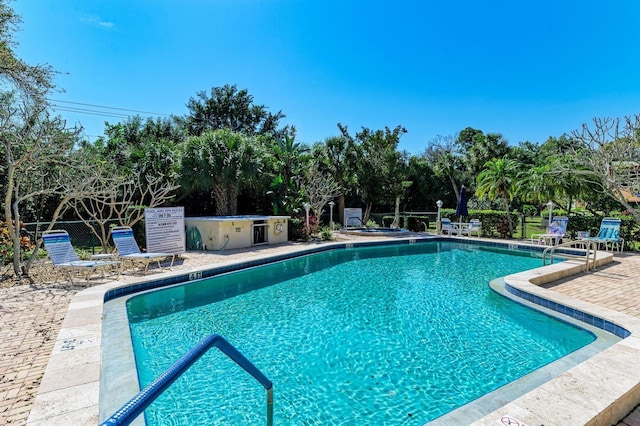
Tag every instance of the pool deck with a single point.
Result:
(42, 325)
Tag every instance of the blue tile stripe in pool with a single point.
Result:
(178, 279)
(593, 320)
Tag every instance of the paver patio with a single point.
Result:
(31, 316)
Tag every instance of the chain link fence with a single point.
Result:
(80, 232)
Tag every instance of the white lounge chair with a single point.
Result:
(129, 251)
(474, 226)
(58, 246)
(446, 226)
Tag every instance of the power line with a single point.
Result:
(89, 112)
(107, 107)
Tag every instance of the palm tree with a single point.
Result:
(498, 180)
(220, 161)
(289, 160)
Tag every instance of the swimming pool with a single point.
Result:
(363, 336)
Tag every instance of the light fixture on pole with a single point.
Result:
(331, 204)
(439, 204)
(550, 207)
(307, 206)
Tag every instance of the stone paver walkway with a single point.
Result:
(615, 286)
(31, 316)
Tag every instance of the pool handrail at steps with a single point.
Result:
(346, 226)
(136, 405)
(586, 246)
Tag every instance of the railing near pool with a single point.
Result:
(586, 246)
(136, 405)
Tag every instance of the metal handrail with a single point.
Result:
(136, 405)
(588, 246)
(355, 217)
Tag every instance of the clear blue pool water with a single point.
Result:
(386, 335)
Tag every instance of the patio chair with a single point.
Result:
(474, 226)
(128, 250)
(445, 225)
(58, 246)
(555, 232)
(609, 234)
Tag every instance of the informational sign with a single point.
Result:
(353, 217)
(164, 228)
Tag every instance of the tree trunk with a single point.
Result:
(14, 229)
(367, 212)
(341, 211)
(396, 214)
(232, 198)
(454, 186)
(506, 203)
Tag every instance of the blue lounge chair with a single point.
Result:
(555, 232)
(58, 246)
(129, 251)
(609, 234)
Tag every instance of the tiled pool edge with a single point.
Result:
(599, 391)
(69, 392)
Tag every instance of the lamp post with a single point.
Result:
(439, 204)
(550, 207)
(307, 206)
(331, 204)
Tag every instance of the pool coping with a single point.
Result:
(69, 391)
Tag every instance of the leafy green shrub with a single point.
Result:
(325, 234)
(371, 224)
(6, 244)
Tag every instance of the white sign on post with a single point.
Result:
(164, 228)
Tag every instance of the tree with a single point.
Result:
(141, 148)
(319, 188)
(122, 200)
(498, 180)
(608, 157)
(445, 158)
(396, 183)
(376, 158)
(227, 107)
(32, 82)
(221, 161)
(482, 148)
(289, 160)
(39, 161)
(143, 158)
(336, 157)
(426, 188)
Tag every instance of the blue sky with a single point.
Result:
(527, 70)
